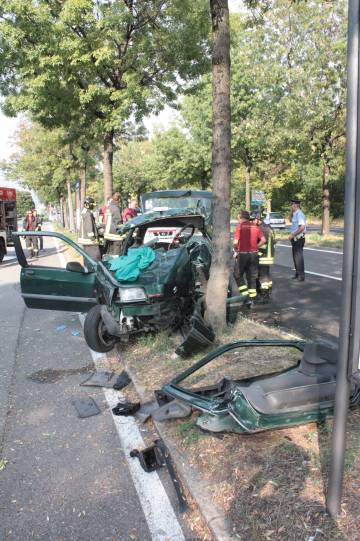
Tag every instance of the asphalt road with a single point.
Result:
(65, 478)
(311, 308)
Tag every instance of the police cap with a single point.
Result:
(295, 200)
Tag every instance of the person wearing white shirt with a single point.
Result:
(297, 238)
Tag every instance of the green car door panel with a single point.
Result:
(56, 288)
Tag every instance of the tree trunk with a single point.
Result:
(221, 166)
(82, 184)
(268, 205)
(108, 163)
(325, 228)
(62, 216)
(65, 213)
(70, 205)
(247, 188)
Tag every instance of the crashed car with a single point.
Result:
(166, 294)
(300, 394)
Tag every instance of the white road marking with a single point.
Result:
(158, 511)
(313, 249)
(324, 275)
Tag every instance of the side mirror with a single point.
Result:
(75, 266)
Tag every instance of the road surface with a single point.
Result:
(65, 478)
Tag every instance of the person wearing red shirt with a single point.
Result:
(248, 238)
(130, 212)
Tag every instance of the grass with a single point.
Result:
(315, 239)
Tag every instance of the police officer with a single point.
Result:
(266, 256)
(248, 238)
(112, 221)
(88, 237)
(297, 238)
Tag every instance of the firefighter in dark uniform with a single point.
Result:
(88, 236)
(30, 224)
(248, 238)
(266, 257)
(113, 220)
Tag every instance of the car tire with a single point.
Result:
(2, 250)
(96, 336)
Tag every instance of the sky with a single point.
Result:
(8, 126)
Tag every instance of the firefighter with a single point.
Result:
(266, 257)
(89, 238)
(30, 224)
(248, 238)
(112, 221)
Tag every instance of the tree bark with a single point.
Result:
(108, 164)
(325, 227)
(268, 205)
(65, 213)
(70, 205)
(247, 188)
(221, 166)
(83, 184)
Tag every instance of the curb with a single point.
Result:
(214, 517)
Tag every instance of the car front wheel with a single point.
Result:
(95, 332)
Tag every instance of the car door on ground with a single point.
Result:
(50, 282)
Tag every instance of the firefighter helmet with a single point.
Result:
(89, 203)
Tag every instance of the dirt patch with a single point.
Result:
(271, 485)
(50, 375)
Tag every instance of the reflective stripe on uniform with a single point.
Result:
(243, 290)
(266, 261)
(252, 293)
(87, 242)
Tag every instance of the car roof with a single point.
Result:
(159, 215)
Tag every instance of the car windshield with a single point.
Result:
(203, 205)
(276, 215)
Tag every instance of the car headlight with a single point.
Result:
(130, 294)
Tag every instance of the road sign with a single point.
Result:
(257, 196)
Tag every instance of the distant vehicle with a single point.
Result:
(8, 219)
(276, 220)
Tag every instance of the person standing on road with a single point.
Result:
(113, 220)
(297, 239)
(130, 212)
(266, 256)
(29, 224)
(38, 220)
(89, 238)
(247, 240)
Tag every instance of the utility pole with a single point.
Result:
(348, 361)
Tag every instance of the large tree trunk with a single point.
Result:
(247, 188)
(221, 166)
(70, 205)
(108, 163)
(325, 228)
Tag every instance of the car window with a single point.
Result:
(53, 252)
(276, 215)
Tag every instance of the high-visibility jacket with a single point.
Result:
(112, 221)
(266, 252)
(88, 233)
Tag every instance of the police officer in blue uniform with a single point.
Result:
(297, 238)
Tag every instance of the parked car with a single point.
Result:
(166, 294)
(276, 220)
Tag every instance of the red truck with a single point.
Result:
(8, 218)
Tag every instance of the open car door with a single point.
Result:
(51, 283)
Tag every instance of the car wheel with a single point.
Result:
(96, 335)
(2, 250)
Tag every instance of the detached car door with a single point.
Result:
(50, 282)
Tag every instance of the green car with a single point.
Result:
(166, 294)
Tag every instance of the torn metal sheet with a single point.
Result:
(173, 410)
(98, 379)
(85, 407)
(301, 394)
(122, 381)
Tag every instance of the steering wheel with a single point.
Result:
(179, 233)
